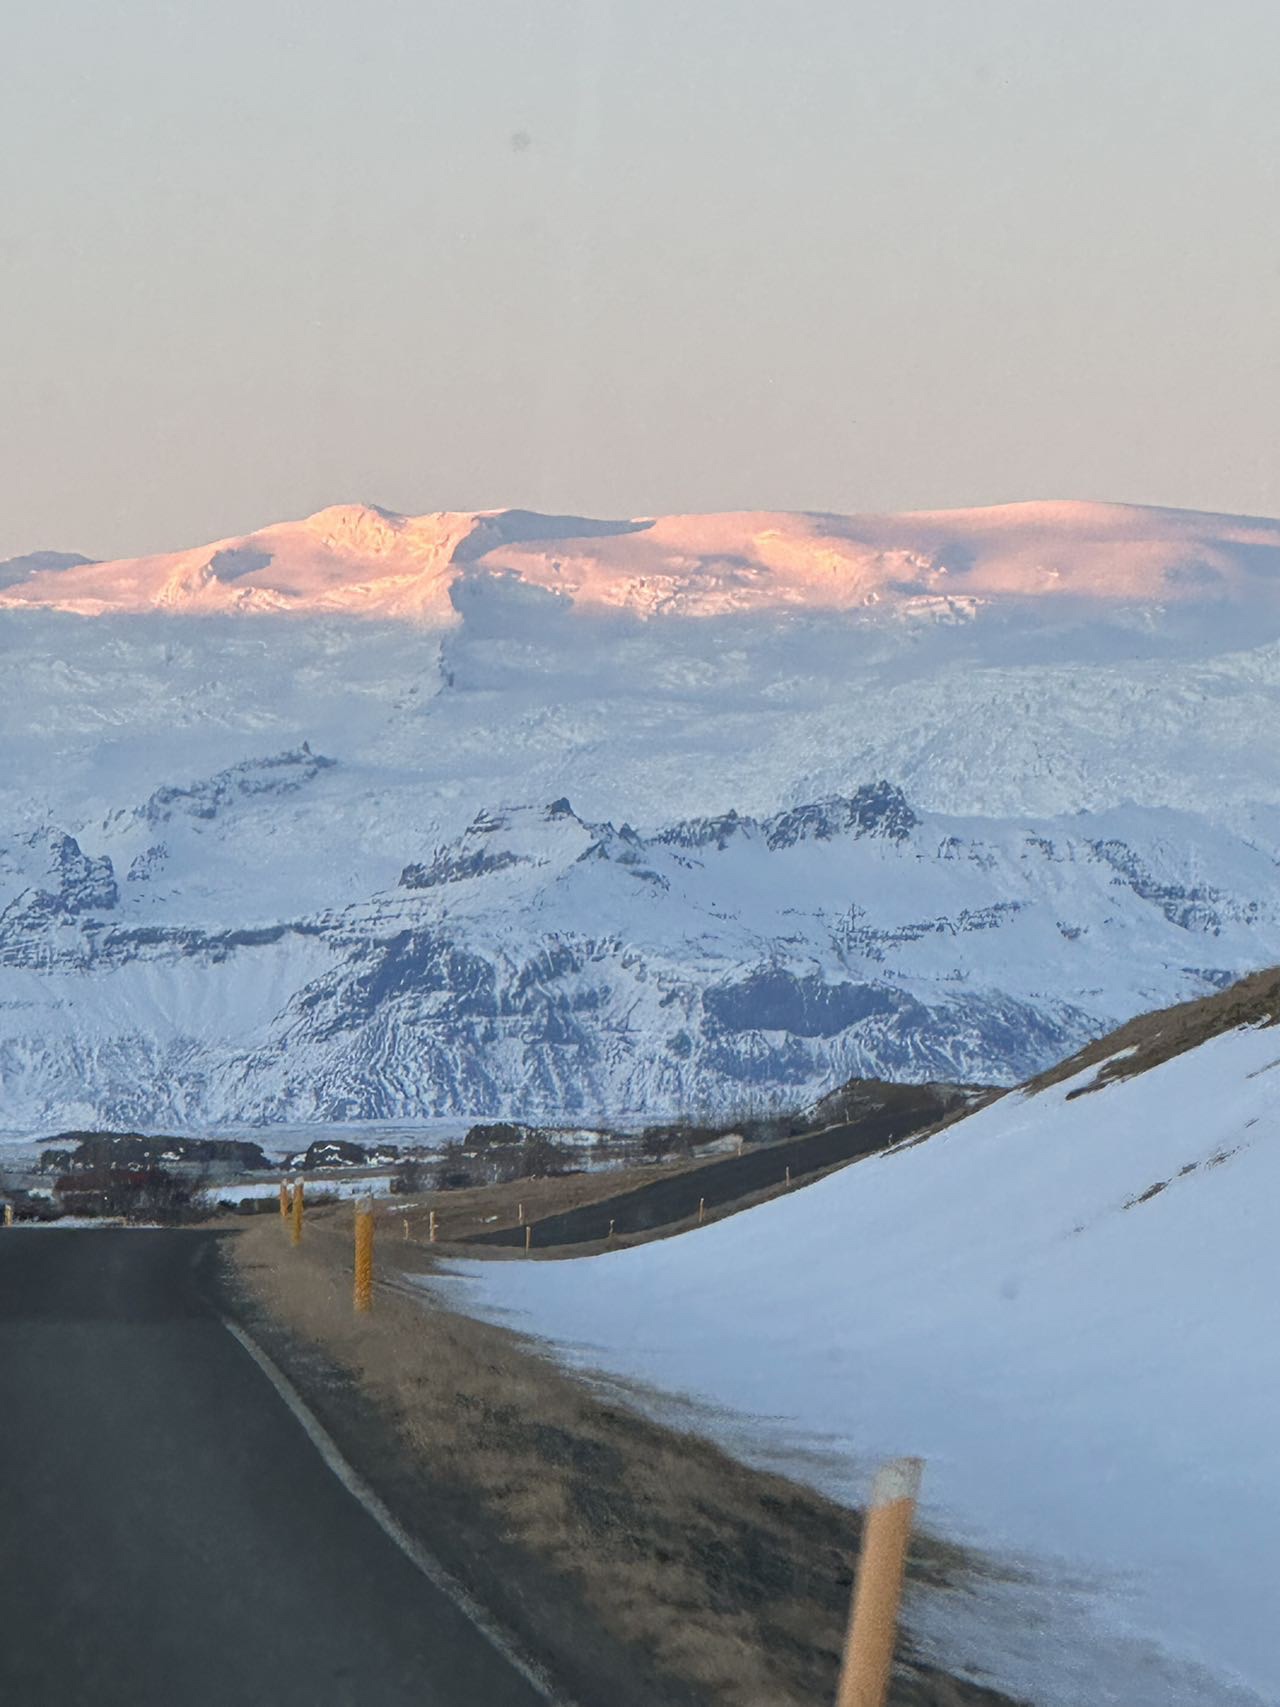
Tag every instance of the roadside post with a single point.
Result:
(364, 1256)
(295, 1234)
(431, 1229)
(284, 1201)
(8, 1215)
(528, 1237)
(877, 1596)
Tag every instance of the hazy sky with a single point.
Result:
(631, 256)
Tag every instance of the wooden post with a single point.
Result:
(295, 1234)
(431, 1227)
(520, 1215)
(364, 1256)
(284, 1201)
(788, 1179)
(873, 1621)
(528, 1238)
(405, 1219)
(702, 1210)
(8, 1215)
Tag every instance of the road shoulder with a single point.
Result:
(636, 1564)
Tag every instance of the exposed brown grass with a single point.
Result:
(721, 1584)
(1157, 1037)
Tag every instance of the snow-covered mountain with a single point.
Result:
(260, 860)
(363, 560)
(1059, 1302)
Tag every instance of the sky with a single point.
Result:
(626, 257)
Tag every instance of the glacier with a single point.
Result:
(365, 820)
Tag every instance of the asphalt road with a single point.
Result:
(168, 1534)
(675, 1197)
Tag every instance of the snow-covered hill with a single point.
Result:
(305, 866)
(1061, 1303)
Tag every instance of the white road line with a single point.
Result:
(534, 1674)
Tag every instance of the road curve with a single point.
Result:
(168, 1534)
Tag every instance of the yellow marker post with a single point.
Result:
(284, 1201)
(295, 1233)
(364, 1257)
(873, 1623)
(8, 1215)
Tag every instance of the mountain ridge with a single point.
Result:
(542, 963)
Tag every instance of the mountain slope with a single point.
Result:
(1057, 1301)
